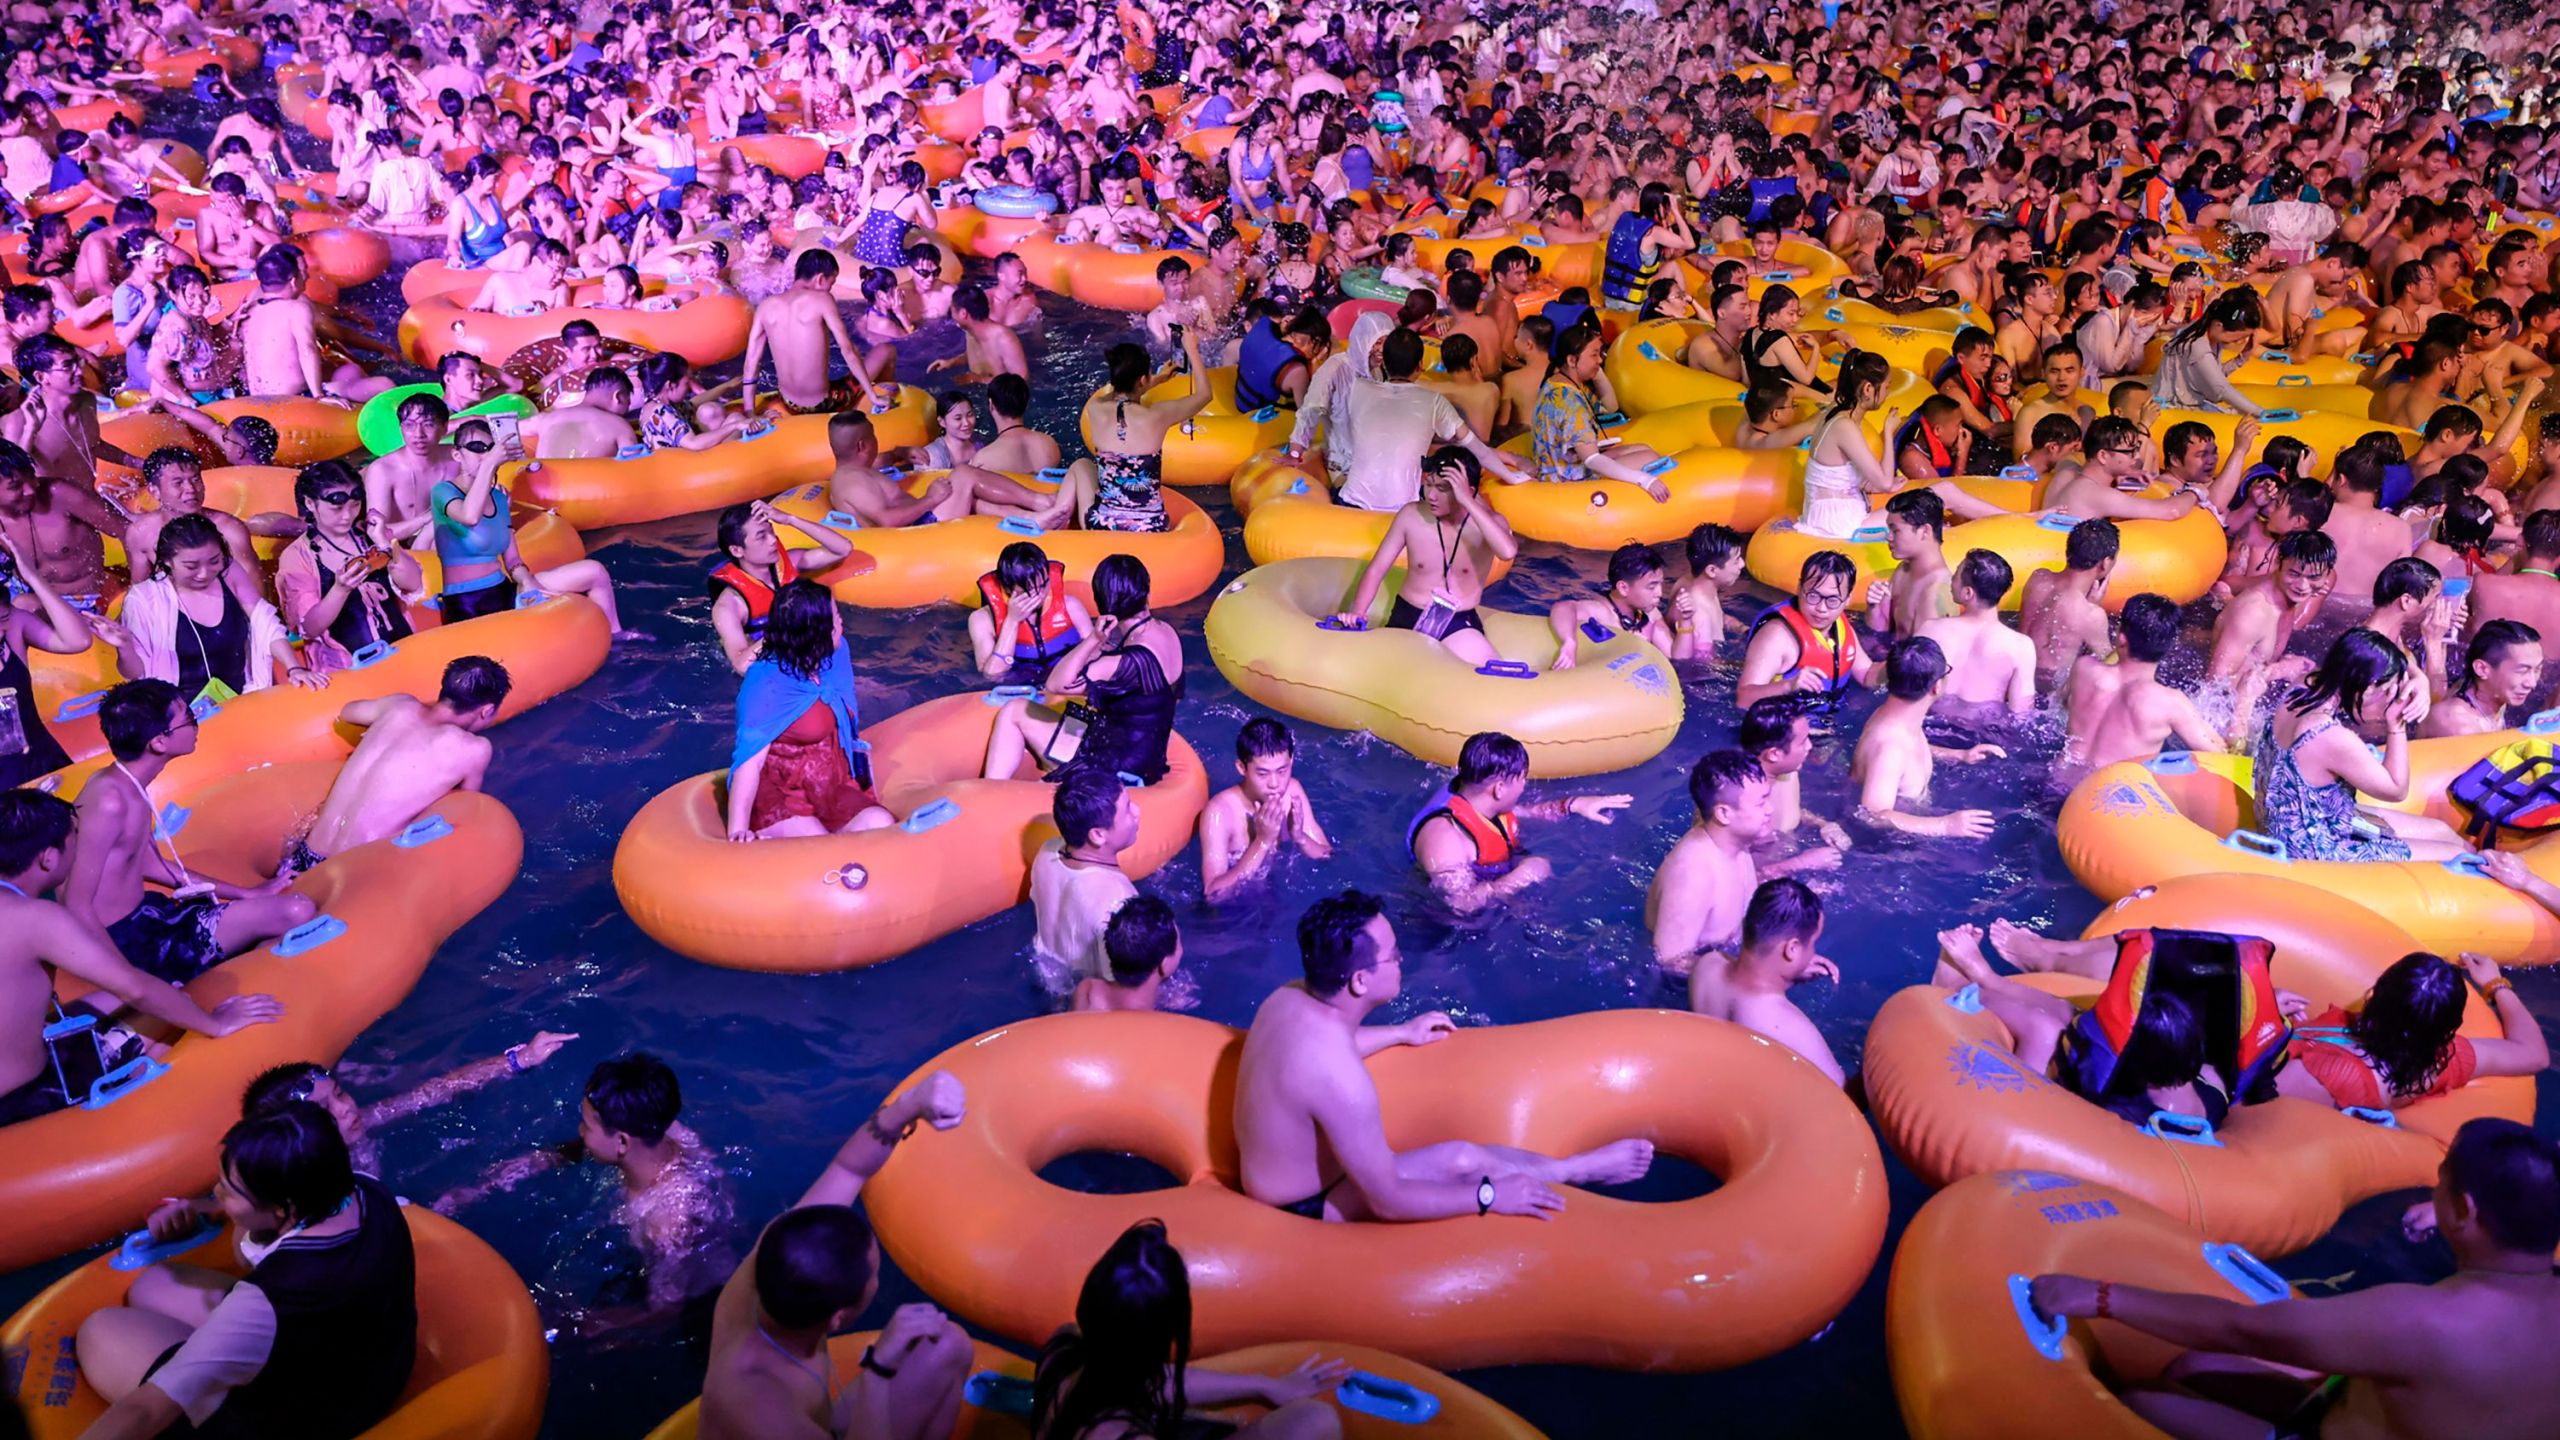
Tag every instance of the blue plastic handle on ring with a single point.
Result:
(1609, 418)
(2277, 357)
(2018, 472)
(931, 815)
(1355, 627)
(893, 472)
(1390, 1400)
(2371, 1116)
(2058, 520)
(999, 1394)
(1534, 242)
(2247, 1274)
(1296, 487)
(425, 830)
(1508, 670)
(1132, 782)
(1266, 414)
(757, 431)
(370, 653)
(1967, 1001)
(2280, 417)
(2044, 1332)
(2192, 252)
(883, 406)
(1778, 277)
(140, 1252)
(1663, 466)
(2364, 357)
(2181, 1129)
(1017, 525)
(308, 936)
(528, 597)
(1053, 474)
(1645, 349)
(123, 1080)
(2470, 867)
(2253, 842)
(2542, 722)
(80, 705)
(635, 451)
(840, 520)
(1003, 693)
(1868, 535)
(2172, 762)
(172, 819)
(2290, 381)
(1834, 315)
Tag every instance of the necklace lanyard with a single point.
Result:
(822, 1370)
(159, 846)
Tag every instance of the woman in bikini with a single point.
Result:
(1119, 488)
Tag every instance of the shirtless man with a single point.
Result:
(1012, 301)
(1895, 761)
(2461, 1359)
(811, 1272)
(1468, 377)
(2120, 710)
(540, 285)
(1244, 827)
(2368, 537)
(858, 488)
(1918, 591)
(228, 238)
(1718, 348)
(2412, 610)
(2250, 640)
(2062, 613)
(2501, 668)
(1988, 663)
(2527, 593)
(1698, 621)
(197, 923)
(1182, 308)
(413, 753)
(39, 937)
(989, 349)
(2297, 297)
(1631, 601)
(55, 527)
(2111, 460)
(2061, 395)
(1780, 931)
(1112, 219)
(280, 340)
(1447, 542)
(57, 423)
(396, 485)
(796, 327)
(1467, 837)
(1309, 1127)
(1016, 448)
(596, 425)
(1696, 903)
(175, 479)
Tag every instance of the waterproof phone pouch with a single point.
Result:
(13, 728)
(1069, 738)
(1436, 617)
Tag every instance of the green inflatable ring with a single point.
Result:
(1366, 283)
(378, 421)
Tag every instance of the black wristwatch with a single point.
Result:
(1484, 1196)
(874, 1366)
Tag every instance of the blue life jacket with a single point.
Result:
(1624, 270)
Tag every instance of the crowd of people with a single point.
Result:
(2375, 180)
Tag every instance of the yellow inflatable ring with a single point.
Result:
(1290, 514)
(1207, 448)
(1618, 707)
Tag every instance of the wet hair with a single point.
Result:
(280, 1085)
(2511, 1177)
(1711, 545)
(815, 265)
(290, 1159)
(1860, 370)
(2307, 549)
(1824, 565)
(1021, 565)
(663, 370)
(160, 462)
(135, 713)
(474, 682)
(2165, 1050)
(1718, 777)
(1263, 736)
(2091, 543)
(635, 1095)
(1128, 367)
(1333, 941)
(1129, 1347)
(1913, 667)
(1088, 801)
(2467, 521)
(1490, 756)
(1781, 910)
(812, 1263)
(2054, 430)
(31, 822)
(1984, 575)
(1140, 937)
(2358, 469)
(1009, 394)
(2150, 628)
(2490, 646)
(2358, 662)
(2407, 1023)
(1120, 586)
(1921, 508)
(2406, 578)
(1632, 562)
(427, 406)
(2309, 501)
(1771, 722)
(799, 635)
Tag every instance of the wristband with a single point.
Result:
(874, 1366)
(885, 1137)
(2489, 992)
(515, 1059)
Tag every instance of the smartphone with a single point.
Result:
(1069, 736)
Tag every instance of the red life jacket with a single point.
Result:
(757, 594)
(1939, 459)
(1056, 631)
(1830, 656)
(1983, 400)
(1494, 839)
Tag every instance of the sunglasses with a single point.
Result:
(336, 497)
(476, 447)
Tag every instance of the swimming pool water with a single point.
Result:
(777, 1070)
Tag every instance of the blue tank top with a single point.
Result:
(1359, 167)
(1259, 361)
(482, 544)
(483, 236)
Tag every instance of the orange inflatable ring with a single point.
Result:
(791, 156)
(961, 852)
(85, 1173)
(229, 296)
(300, 98)
(1951, 1099)
(1003, 1382)
(549, 649)
(1115, 277)
(306, 429)
(667, 482)
(2144, 822)
(2178, 558)
(941, 561)
(1207, 448)
(1971, 1358)
(236, 54)
(1289, 514)
(93, 115)
(430, 279)
(482, 1372)
(705, 329)
(340, 251)
(1744, 489)
(1746, 1271)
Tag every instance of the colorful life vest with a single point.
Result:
(1832, 656)
(1939, 459)
(1495, 839)
(757, 594)
(2514, 787)
(1057, 630)
(2224, 978)
(1625, 271)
